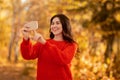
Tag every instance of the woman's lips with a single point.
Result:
(54, 29)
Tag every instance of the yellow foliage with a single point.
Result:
(117, 16)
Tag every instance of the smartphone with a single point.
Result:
(32, 25)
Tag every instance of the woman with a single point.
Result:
(55, 54)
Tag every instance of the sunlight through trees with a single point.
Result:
(96, 27)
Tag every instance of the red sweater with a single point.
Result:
(54, 58)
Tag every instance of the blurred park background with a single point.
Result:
(96, 29)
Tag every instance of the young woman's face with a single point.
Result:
(56, 26)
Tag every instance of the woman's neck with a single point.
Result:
(58, 38)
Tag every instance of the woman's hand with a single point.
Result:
(38, 37)
(32, 34)
(25, 32)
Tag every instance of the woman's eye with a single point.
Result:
(52, 23)
(58, 23)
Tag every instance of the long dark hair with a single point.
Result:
(66, 33)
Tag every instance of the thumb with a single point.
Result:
(36, 35)
(34, 31)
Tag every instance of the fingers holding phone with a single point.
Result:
(25, 32)
(29, 28)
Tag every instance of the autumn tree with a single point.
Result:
(5, 22)
(104, 18)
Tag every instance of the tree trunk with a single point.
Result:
(12, 38)
(15, 29)
(110, 40)
(108, 53)
(116, 67)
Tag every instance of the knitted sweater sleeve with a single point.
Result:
(61, 57)
(28, 50)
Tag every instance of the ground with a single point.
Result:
(16, 71)
(22, 70)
